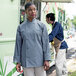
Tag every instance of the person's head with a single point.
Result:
(30, 10)
(50, 18)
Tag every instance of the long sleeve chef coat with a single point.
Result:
(32, 44)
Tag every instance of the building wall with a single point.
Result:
(50, 7)
(9, 20)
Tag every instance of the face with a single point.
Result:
(49, 21)
(31, 12)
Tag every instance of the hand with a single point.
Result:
(18, 67)
(52, 43)
(46, 65)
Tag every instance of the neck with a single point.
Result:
(30, 19)
(53, 23)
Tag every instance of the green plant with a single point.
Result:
(12, 72)
(2, 73)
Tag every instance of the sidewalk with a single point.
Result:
(71, 66)
(70, 56)
(53, 73)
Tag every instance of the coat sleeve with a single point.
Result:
(18, 45)
(45, 44)
(53, 33)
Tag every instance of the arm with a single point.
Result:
(46, 48)
(17, 52)
(53, 33)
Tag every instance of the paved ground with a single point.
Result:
(71, 65)
(71, 58)
(51, 71)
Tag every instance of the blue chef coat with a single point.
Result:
(32, 44)
(57, 32)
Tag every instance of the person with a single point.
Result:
(32, 50)
(56, 37)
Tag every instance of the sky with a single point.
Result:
(70, 9)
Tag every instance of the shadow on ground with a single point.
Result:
(51, 69)
(71, 53)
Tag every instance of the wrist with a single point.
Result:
(18, 63)
(47, 61)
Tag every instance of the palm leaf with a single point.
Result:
(1, 67)
(0, 73)
(5, 68)
(12, 72)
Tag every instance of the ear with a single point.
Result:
(26, 11)
(49, 19)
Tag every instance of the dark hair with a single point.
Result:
(51, 16)
(28, 5)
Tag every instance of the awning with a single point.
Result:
(62, 1)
